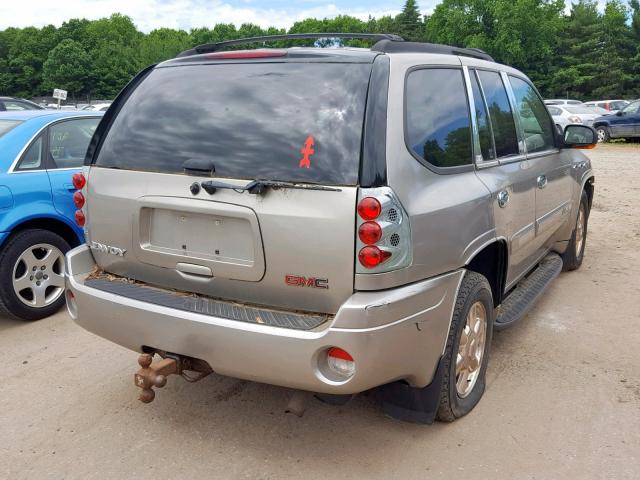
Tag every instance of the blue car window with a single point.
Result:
(68, 142)
(32, 158)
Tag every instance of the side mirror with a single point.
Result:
(619, 113)
(580, 136)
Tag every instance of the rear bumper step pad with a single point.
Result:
(524, 296)
(208, 306)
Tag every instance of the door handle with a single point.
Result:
(503, 198)
(542, 181)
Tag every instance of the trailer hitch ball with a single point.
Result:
(153, 374)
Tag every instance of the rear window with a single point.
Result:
(6, 125)
(276, 121)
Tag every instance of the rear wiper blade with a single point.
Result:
(258, 187)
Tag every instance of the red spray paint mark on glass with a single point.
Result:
(306, 152)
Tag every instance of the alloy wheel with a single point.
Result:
(38, 275)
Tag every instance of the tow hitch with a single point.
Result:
(154, 374)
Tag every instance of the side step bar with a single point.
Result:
(524, 296)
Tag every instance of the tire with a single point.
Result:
(47, 251)
(603, 134)
(454, 403)
(572, 257)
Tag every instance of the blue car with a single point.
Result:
(40, 150)
(624, 124)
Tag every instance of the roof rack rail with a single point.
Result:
(385, 46)
(215, 47)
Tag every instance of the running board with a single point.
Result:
(524, 296)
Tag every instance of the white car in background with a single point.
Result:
(562, 101)
(612, 106)
(97, 107)
(564, 115)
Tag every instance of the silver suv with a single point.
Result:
(327, 219)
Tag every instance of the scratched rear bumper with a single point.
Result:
(393, 334)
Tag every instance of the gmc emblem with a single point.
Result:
(297, 281)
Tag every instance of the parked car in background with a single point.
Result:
(97, 107)
(561, 101)
(564, 115)
(624, 124)
(17, 104)
(39, 151)
(610, 105)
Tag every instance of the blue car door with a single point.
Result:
(626, 122)
(66, 146)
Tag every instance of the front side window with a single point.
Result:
(32, 158)
(68, 142)
(631, 108)
(504, 128)
(534, 118)
(438, 126)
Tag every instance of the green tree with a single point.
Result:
(67, 67)
(410, 22)
(162, 44)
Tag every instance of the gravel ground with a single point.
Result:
(562, 401)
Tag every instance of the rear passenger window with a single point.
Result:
(438, 124)
(534, 118)
(484, 129)
(32, 158)
(504, 128)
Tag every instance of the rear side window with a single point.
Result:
(272, 121)
(438, 127)
(534, 119)
(504, 128)
(554, 111)
(482, 117)
(32, 158)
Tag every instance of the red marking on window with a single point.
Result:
(306, 152)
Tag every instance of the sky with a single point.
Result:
(187, 14)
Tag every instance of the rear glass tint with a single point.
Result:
(6, 125)
(277, 121)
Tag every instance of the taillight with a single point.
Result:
(384, 236)
(370, 233)
(80, 218)
(341, 362)
(78, 199)
(78, 180)
(369, 208)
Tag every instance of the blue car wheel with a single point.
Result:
(32, 274)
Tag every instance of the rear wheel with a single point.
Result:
(32, 274)
(467, 351)
(603, 134)
(572, 257)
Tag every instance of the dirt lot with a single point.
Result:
(563, 396)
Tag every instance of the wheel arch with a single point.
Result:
(52, 224)
(589, 188)
(491, 262)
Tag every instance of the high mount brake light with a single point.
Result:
(78, 180)
(240, 54)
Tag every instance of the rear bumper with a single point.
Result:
(393, 334)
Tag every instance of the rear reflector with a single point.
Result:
(340, 362)
(247, 54)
